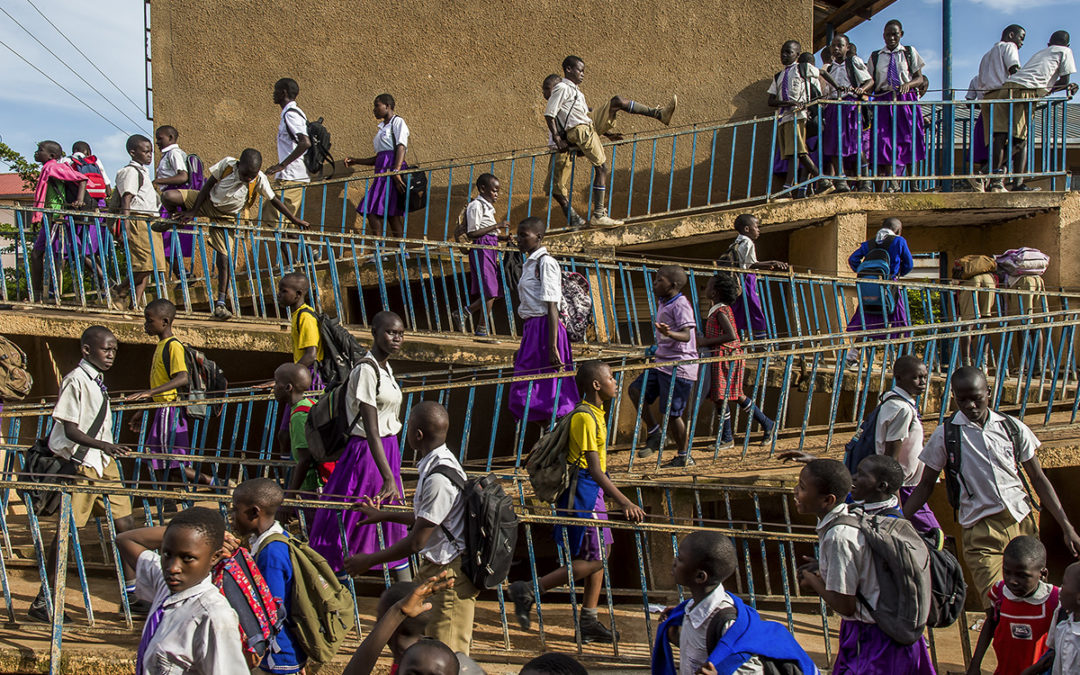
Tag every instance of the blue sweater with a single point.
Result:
(900, 258)
(284, 655)
(750, 635)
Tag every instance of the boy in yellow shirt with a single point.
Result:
(589, 485)
(303, 325)
(169, 431)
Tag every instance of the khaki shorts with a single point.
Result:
(85, 505)
(146, 250)
(1019, 126)
(219, 238)
(983, 545)
(967, 301)
(560, 169)
(790, 142)
(292, 195)
(586, 141)
(1026, 304)
(452, 609)
(603, 119)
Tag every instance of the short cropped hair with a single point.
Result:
(1026, 550)
(552, 79)
(588, 372)
(93, 334)
(289, 86)
(162, 307)
(203, 520)
(968, 375)
(431, 645)
(885, 469)
(485, 180)
(727, 287)
(673, 273)
(52, 147)
(571, 61)
(830, 476)
(266, 493)
(251, 157)
(386, 99)
(167, 129)
(1060, 38)
(906, 364)
(714, 553)
(894, 22)
(1011, 28)
(743, 221)
(535, 224)
(380, 320)
(135, 140)
(554, 663)
(81, 146)
(299, 279)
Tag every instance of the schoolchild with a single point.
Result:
(545, 347)
(51, 193)
(995, 67)
(139, 203)
(591, 486)
(482, 229)
(676, 340)
(292, 143)
(172, 174)
(748, 309)
(293, 290)
(1063, 643)
(791, 90)
(841, 123)
(291, 382)
(897, 72)
(383, 204)
(191, 627)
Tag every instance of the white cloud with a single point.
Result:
(1014, 6)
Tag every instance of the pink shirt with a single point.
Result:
(52, 169)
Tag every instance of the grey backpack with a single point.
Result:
(549, 473)
(902, 563)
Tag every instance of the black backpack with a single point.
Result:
(203, 376)
(319, 152)
(329, 424)
(954, 479)
(341, 351)
(491, 527)
(947, 587)
(864, 442)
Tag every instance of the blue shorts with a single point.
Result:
(659, 385)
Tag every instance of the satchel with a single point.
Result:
(416, 184)
(45, 468)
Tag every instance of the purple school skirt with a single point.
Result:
(847, 140)
(382, 198)
(484, 268)
(865, 650)
(780, 164)
(356, 475)
(749, 303)
(169, 435)
(980, 151)
(84, 238)
(924, 519)
(864, 320)
(532, 358)
(910, 140)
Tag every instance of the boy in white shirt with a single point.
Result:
(172, 170)
(292, 143)
(1046, 72)
(191, 628)
(234, 185)
(139, 202)
(991, 498)
(1063, 641)
(791, 90)
(436, 527)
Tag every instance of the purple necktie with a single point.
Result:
(149, 630)
(893, 74)
(784, 85)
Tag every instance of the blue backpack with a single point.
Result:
(876, 265)
(864, 442)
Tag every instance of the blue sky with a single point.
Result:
(111, 33)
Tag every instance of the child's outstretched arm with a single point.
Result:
(1049, 498)
(367, 654)
(682, 335)
(132, 543)
(632, 511)
(922, 491)
(1044, 664)
(986, 636)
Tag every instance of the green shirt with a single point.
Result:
(298, 440)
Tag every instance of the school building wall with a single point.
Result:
(465, 76)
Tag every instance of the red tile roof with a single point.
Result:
(11, 185)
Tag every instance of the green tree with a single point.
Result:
(28, 171)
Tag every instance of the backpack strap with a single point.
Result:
(302, 116)
(455, 480)
(1013, 428)
(99, 420)
(715, 630)
(909, 55)
(165, 353)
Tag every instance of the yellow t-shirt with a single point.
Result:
(304, 330)
(158, 374)
(586, 436)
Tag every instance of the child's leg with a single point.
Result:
(765, 423)
(677, 430)
(645, 406)
(397, 226)
(581, 569)
(141, 278)
(593, 583)
(224, 275)
(375, 225)
(37, 274)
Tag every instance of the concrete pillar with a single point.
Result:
(824, 247)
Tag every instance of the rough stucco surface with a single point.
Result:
(465, 75)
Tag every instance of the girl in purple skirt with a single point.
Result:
(748, 309)
(481, 228)
(897, 72)
(383, 200)
(370, 466)
(545, 347)
(841, 124)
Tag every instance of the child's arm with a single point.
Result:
(841, 603)
(922, 491)
(632, 511)
(1063, 83)
(917, 80)
(770, 265)
(986, 636)
(1043, 665)
(560, 143)
(302, 145)
(367, 654)
(414, 542)
(80, 198)
(828, 78)
(132, 543)
(178, 178)
(476, 234)
(727, 333)
(775, 102)
(1049, 499)
(79, 437)
(554, 360)
(178, 380)
(682, 335)
(287, 212)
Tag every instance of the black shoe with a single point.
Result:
(594, 631)
(680, 461)
(522, 595)
(39, 611)
(137, 606)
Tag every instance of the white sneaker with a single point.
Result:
(667, 111)
(601, 219)
(976, 184)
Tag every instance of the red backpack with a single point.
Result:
(95, 182)
(261, 614)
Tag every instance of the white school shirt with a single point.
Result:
(839, 73)
(79, 402)
(745, 251)
(144, 199)
(899, 421)
(881, 74)
(1044, 68)
(230, 193)
(991, 478)
(256, 541)
(387, 404)
(567, 105)
(480, 213)
(877, 507)
(1064, 639)
(798, 89)
(439, 501)
(540, 283)
(845, 563)
(81, 155)
(994, 66)
(199, 633)
(693, 636)
(387, 134)
(293, 124)
(173, 161)
(973, 89)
